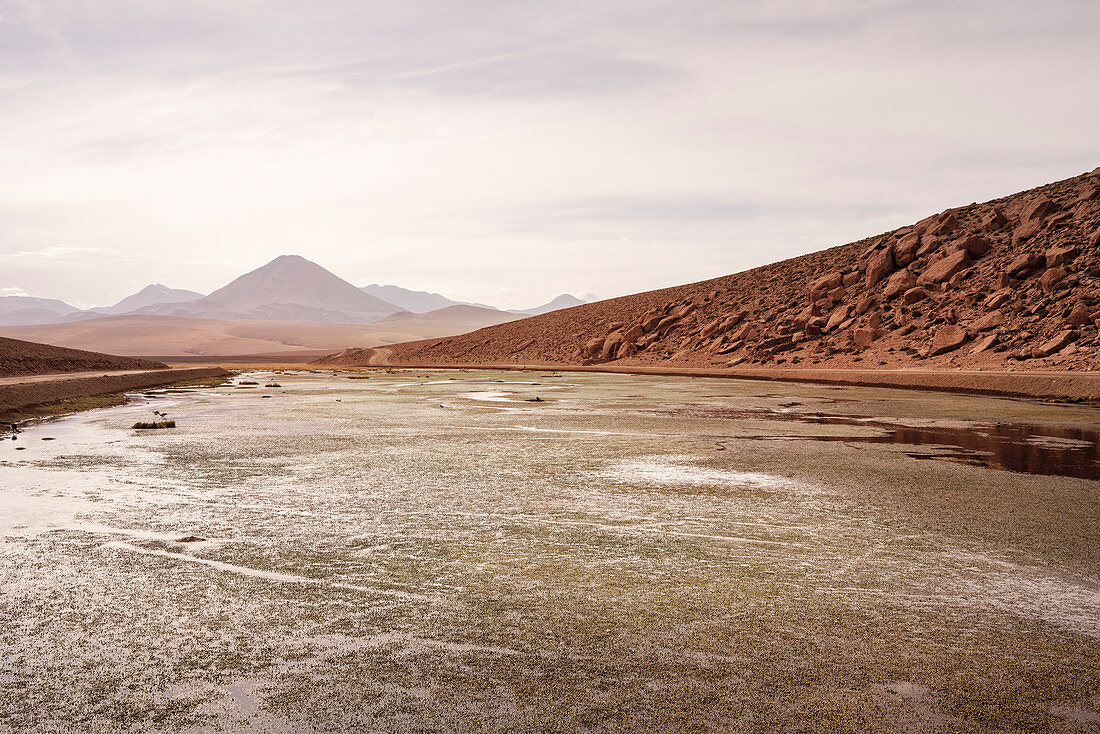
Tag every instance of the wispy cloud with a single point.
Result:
(607, 146)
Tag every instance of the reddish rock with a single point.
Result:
(946, 339)
(592, 347)
(900, 282)
(998, 299)
(746, 332)
(1056, 344)
(626, 350)
(681, 311)
(731, 321)
(863, 338)
(1088, 193)
(944, 268)
(851, 278)
(710, 329)
(666, 324)
(990, 340)
(1094, 239)
(634, 333)
(611, 345)
(1038, 209)
(879, 266)
(947, 223)
(837, 317)
(905, 249)
(863, 305)
(974, 245)
(1079, 316)
(649, 323)
(914, 295)
(1003, 280)
(1026, 231)
(1052, 277)
(837, 294)
(994, 221)
(1060, 255)
(928, 245)
(815, 326)
(825, 283)
(991, 320)
(1024, 263)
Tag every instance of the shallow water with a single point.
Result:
(433, 551)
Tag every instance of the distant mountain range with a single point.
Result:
(287, 289)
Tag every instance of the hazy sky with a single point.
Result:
(508, 151)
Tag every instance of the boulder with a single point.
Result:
(944, 268)
(998, 298)
(1024, 263)
(851, 278)
(994, 221)
(745, 333)
(611, 345)
(710, 329)
(592, 347)
(1026, 231)
(974, 245)
(731, 321)
(825, 283)
(1052, 277)
(946, 339)
(928, 245)
(634, 333)
(1079, 315)
(991, 320)
(628, 349)
(863, 305)
(879, 266)
(914, 295)
(1094, 239)
(905, 249)
(681, 311)
(837, 294)
(1060, 255)
(1056, 344)
(900, 282)
(1038, 209)
(1088, 193)
(863, 338)
(947, 223)
(650, 321)
(667, 324)
(837, 317)
(990, 340)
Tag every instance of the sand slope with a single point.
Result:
(28, 358)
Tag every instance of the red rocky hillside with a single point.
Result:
(1013, 282)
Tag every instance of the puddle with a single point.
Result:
(1028, 449)
(1015, 447)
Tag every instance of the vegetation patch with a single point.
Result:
(154, 425)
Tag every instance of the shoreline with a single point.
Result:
(1073, 385)
(24, 394)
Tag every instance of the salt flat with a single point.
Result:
(436, 551)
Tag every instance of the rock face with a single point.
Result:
(972, 286)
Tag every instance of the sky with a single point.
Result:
(505, 152)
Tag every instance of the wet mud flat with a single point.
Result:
(436, 551)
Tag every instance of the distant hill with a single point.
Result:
(19, 357)
(167, 336)
(1010, 284)
(150, 295)
(565, 300)
(412, 301)
(17, 310)
(289, 288)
